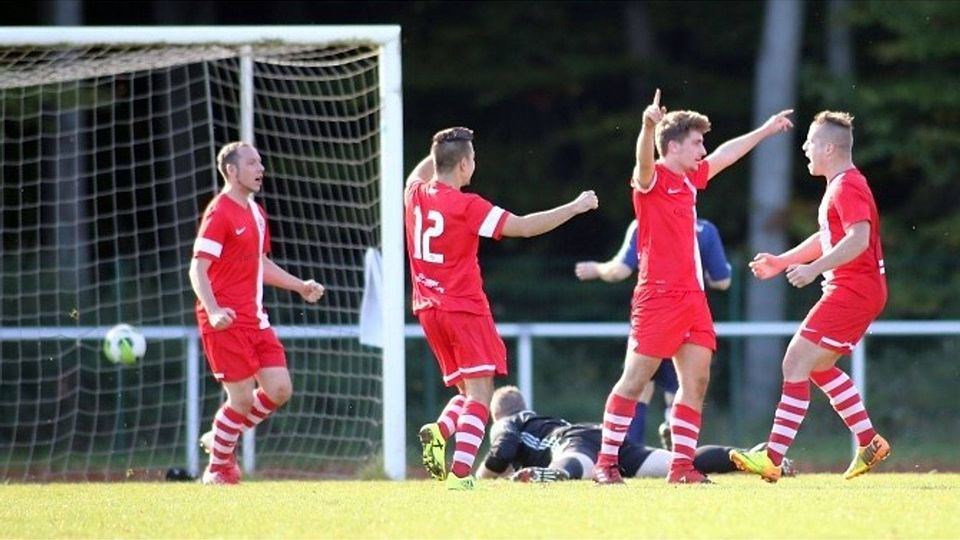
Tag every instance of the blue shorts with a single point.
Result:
(666, 377)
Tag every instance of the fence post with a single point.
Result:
(859, 375)
(525, 363)
(193, 376)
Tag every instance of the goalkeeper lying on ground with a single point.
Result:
(538, 448)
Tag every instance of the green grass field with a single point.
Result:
(739, 506)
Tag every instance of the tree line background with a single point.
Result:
(554, 91)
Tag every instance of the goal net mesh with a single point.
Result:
(107, 156)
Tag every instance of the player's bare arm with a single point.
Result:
(219, 317)
(767, 265)
(542, 222)
(643, 170)
(273, 275)
(718, 284)
(611, 271)
(423, 171)
(731, 151)
(855, 241)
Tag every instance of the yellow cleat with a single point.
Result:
(757, 462)
(434, 451)
(455, 483)
(867, 457)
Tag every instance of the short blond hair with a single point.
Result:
(507, 401)
(228, 156)
(839, 128)
(676, 125)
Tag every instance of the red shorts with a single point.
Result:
(236, 354)
(660, 322)
(839, 320)
(466, 345)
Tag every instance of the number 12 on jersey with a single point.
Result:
(421, 238)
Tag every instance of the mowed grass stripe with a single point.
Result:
(739, 506)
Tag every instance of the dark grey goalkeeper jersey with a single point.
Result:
(520, 440)
(526, 439)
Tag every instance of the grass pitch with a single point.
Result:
(739, 506)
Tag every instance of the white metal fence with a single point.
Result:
(524, 333)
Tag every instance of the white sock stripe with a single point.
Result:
(787, 415)
(794, 402)
(468, 438)
(229, 437)
(616, 419)
(448, 423)
(259, 407)
(835, 382)
(473, 421)
(226, 449)
(217, 461)
(861, 426)
(852, 410)
(684, 424)
(781, 429)
(843, 396)
(689, 442)
(464, 457)
(618, 436)
(779, 448)
(609, 449)
(222, 418)
(674, 456)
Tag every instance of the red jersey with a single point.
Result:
(669, 258)
(846, 201)
(443, 230)
(234, 237)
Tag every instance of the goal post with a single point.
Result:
(108, 137)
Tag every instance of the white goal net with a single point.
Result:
(107, 154)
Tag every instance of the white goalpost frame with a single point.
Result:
(391, 176)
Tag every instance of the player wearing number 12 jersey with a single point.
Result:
(443, 228)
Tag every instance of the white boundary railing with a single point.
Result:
(524, 333)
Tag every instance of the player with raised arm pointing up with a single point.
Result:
(443, 229)
(669, 312)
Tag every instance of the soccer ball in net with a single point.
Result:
(124, 344)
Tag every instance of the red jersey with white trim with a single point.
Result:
(846, 201)
(443, 230)
(669, 258)
(234, 237)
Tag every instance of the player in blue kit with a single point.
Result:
(716, 270)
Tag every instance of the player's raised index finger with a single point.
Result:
(785, 112)
(656, 98)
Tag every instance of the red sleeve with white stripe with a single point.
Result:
(484, 218)
(212, 235)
